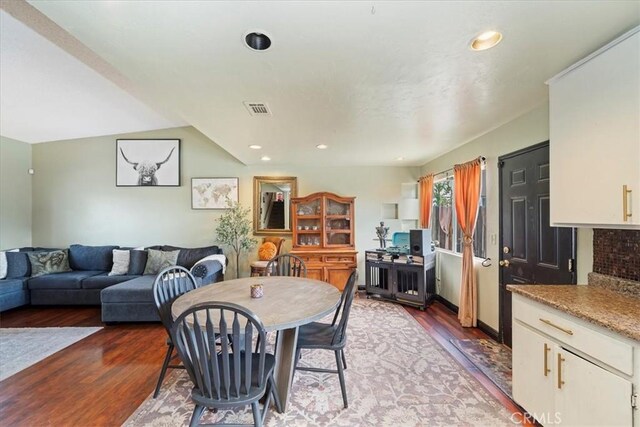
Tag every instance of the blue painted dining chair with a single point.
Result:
(224, 379)
(333, 336)
(170, 283)
(286, 265)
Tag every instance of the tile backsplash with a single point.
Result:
(617, 253)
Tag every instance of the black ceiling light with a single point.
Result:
(257, 41)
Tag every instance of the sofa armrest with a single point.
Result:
(208, 271)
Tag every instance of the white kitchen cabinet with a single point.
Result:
(582, 386)
(594, 119)
(532, 359)
(569, 373)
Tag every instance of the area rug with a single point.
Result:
(491, 358)
(397, 376)
(23, 347)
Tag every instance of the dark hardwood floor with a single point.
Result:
(102, 379)
(98, 381)
(442, 325)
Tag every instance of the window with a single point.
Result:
(443, 213)
(444, 224)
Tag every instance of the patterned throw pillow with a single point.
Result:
(267, 251)
(120, 262)
(199, 270)
(48, 262)
(159, 260)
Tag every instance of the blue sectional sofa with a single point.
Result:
(13, 293)
(13, 289)
(126, 298)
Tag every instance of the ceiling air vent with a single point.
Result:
(257, 108)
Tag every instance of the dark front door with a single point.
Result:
(531, 251)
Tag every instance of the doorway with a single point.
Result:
(531, 251)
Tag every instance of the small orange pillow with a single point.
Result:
(267, 251)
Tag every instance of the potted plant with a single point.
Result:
(234, 228)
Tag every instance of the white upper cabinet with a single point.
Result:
(595, 138)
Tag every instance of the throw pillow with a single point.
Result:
(190, 256)
(137, 262)
(18, 265)
(159, 260)
(267, 251)
(199, 270)
(219, 258)
(48, 262)
(3, 263)
(120, 262)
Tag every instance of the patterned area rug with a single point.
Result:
(492, 358)
(397, 376)
(23, 347)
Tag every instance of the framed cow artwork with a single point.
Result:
(147, 162)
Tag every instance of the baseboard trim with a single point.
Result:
(451, 306)
(481, 325)
(488, 330)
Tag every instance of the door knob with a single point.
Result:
(504, 263)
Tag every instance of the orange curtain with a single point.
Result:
(467, 194)
(426, 196)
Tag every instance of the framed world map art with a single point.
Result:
(213, 193)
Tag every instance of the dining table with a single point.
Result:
(287, 303)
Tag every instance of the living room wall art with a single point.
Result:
(213, 193)
(148, 162)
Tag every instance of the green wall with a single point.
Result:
(75, 199)
(15, 193)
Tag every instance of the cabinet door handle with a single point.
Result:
(547, 349)
(550, 323)
(625, 203)
(560, 360)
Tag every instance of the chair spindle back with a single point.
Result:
(346, 300)
(286, 265)
(171, 283)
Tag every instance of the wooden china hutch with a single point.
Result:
(324, 236)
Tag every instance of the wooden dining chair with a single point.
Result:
(168, 286)
(323, 336)
(286, 265)
(225, 379)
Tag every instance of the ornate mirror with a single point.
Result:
(272, 203)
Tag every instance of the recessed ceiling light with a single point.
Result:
(265, 158)
(257, 40)
(255, 147)
(399, 159)
(322, 146)
(486, 40)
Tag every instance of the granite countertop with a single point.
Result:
(611, 309)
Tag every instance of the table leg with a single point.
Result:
(285, 362)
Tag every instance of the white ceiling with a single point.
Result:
(373, 80)
(47, 95)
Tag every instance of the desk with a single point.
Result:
(288, 302)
